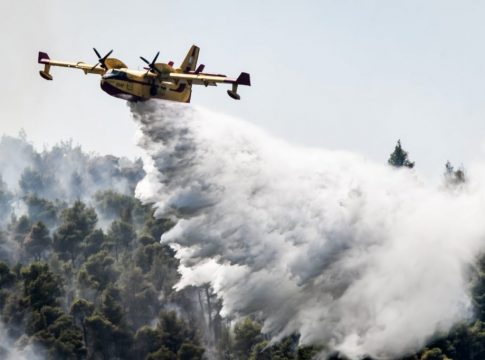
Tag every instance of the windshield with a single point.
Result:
(115, 74)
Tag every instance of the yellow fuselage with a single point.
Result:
(134, 85)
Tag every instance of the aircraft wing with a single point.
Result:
(87, 68)
(209, 79)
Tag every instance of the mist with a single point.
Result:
(10, 351)
(354, 256)
(36, 189)
(64, 171)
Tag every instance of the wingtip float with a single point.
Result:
(157, 80)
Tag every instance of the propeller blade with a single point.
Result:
(107, 55)
(145, 60)
(97, 53)
(155, 59)
(151, 65)
(94, 67)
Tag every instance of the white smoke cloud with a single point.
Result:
(357, 256)
(63, 171)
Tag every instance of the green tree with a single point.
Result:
(261, 351)
(478, 288)
(147, 340)
(93, 243)
(38, 241)
(159, 263)
(162, 354)
(42, 210)
(6, 198)
(399, 157)
(454, 177)
(175, 331)
(156, 227)
(112, 204)
(35, 182)
(77, 222)
(247, 333)
(121, 234)
(107, 341)
(59, 336)
(41, 286)
(7, 277)
(76, 185)
(80, 310)
(47, 323)
(111, 307)
(139, 297)
(286, 349)
(98, 271)
(7, 280)
(6, 247)
(21, 228)
(433, 354)
(41, 319)
(190, 351)
(307, 352)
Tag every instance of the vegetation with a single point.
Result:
(84, 276)
(454, 177)
(399, 157)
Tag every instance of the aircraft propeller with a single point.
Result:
(101, 59)
(151, 65)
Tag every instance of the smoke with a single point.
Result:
(9, 350)
(353, 255)
(62, 172)
(41, 184)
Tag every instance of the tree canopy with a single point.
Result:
(399, 157)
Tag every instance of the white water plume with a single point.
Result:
(353, 255)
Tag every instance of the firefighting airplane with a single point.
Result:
(158, 80)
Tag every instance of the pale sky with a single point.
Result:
(348, 75)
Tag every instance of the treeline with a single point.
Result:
(399, 158)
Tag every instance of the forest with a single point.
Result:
(83, 274)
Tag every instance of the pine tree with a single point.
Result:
(37, 241)
(399, 157)
(78, 222)
(454, 177)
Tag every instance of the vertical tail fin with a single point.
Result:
(190, 61)
(43, 58)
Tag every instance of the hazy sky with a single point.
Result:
(352, 75)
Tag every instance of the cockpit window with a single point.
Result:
(115, 74)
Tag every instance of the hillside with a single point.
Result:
(84, 276)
